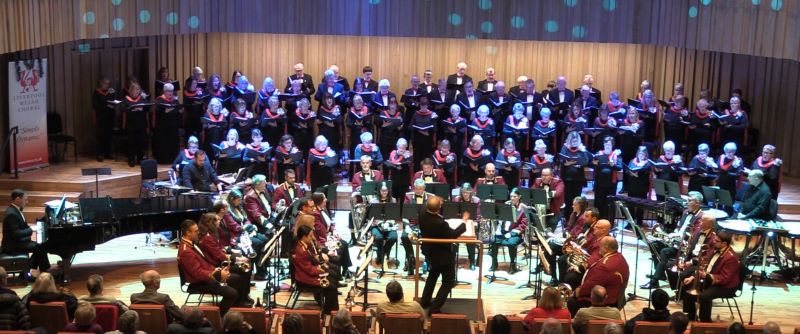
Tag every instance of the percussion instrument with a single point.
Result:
(744, 240)
(719, 214)
(789, 242)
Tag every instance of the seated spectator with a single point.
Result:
(396, 304)
(128, 324)
(612, 329)
(678, 322)
(551, 304)
(13, 313)
(736, 328)
(44, 291)
(151, 280)
(598, 311)
(342, 323)
(552, 326)
(234, 323)
(193, 322)
(659, 299)
(84, 320)
(772, 328)
(292, 324)
(95, 287)
(500, 325)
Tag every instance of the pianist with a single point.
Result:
(17, 234)
(200, 176)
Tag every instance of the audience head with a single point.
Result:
(772, 328)
(551, 299)
(736, 328)
(612, 328)
(151, 279)
(292, 324)
(660, 299)
(755, 177)
(678, 322)
(552, 326)
(234, 322)
(342, 323)
(598, 295)
(95, 285)
(84, 314)
(3, 277)
(500, 324)
(44, 284)
(128, 322)
(193, 318)
(394, 291)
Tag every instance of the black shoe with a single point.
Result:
(514, 269)
(252, 284)
(648, 276)
(259, 277)
(649, 285)
(348, 274)
(553, 282)
(99, 158)
(341, 285)
(472, 266)
(131, 163)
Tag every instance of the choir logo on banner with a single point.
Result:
(27, 92)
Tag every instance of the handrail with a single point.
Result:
(11, 137)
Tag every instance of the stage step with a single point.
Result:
(38, 198)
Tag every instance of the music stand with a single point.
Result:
(640, 234)
(379, 212)
(525, 195)
(96, 172)
(370, 188)
(660, 188)
(673, 189)
(362, 270)
(494, 192)
(718, 196)
(439, 189)
(451, 210)
(490, 211)
(272, 288)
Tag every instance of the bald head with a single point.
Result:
(598, 295)
(707, 221)
(434, 204)
(151, 279)
(601, 228)
(608, 244)
(772, 328)
(551, 326)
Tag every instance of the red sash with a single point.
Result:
(395, 158)
(470, 154)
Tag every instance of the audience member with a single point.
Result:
(612, 328)
(396, 304)
(500, 325)
(772, 328)
(292, 324)
(598, 310)
(193, 322)
(84, 320)
(151, 280)
(95, 287)
(44, 290)
(552, 326)
(678, 322)
(736, 328)
(342, 323)
(659, 299)
(551, 304)
(13, 313)
(233, 323)
(128, 324)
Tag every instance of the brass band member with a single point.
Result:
(258, 205)
(579, 226)
(465, 195)
(490, 176)
(697, 250)
(720, 277)
(325, 234)
(308, 271)
(610, 270)
(418, 196)
(555, 187)
(366, 174)
(429, 174)
(510, 234)
(572, 265)
(385, 232)
(212, 249)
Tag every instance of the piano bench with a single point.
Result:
(14, 263)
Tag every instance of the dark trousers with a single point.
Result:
(511, 243)
(136, 145)
(384, 241)
(601, 194)
(558, 251)
(572, 189)
(706, 297)
(229, 294)
(667, 255)
(105, 128)
(448, 272)
(38, 259)
(410, 258)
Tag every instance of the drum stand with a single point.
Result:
(767, 243)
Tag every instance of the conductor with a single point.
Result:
(440, 256)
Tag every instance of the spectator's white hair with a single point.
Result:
(384, 83)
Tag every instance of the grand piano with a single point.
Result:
(103, 219)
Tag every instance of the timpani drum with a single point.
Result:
(742, 233)
(789, 243)
(719, 214)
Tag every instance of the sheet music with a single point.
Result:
(469, 233)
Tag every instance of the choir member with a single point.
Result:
(194, 98)
(197, 75)
(545, 129)
(675, 118)
(216, 89)
(215, 123)
(531, 99)
(370, 84)
(614, 105)
(638, 171)
(230, 88)
(427, 85)
(454, 129)
(510, 233)
(488, 84)
(560, 98)
(588, 80)
(423, 131)
(645, 85)
(466, 195)
(573, 158)
(483, 126)
(306, 81)
(700, 126)
(411, 97)
(340, 79)
(668, 166)
(272, 121)
(441, 99)
(713, 104)
(257, 154)
(390, 126)
(701, 169)
(631, 133)
(470, 100)
(358, 89)
(743, 104)
(303, 125)
(575, 120)
(245, 91)
(264, 94)
(242, 119)
(456, 82)
(166, 121)
(445, 160)
(385, 232)
(771, 166)
(381, 98)
(366, 173)
(231, 142)
(500, 103)
(474, 159)
(606, 163)
(331, 87)
(368, 148)
(135, 122)
(321, 164)
(730, 167)
(359, 120)
(428, 173)
(734, 123)
(519, 89)
(329, 119)
(287, 156)
(588, 103)
(293, 96)
(310, 273)
(185, 156)
(653, 119)
(104, 103)
(509, 161)
(677, 91)
(163, 79)
(398, 167)
(540, 159)
(605, 125)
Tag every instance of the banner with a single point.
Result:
(27, 101)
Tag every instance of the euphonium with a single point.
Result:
(566, 292)
(576, 256)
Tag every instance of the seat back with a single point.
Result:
(149, 169)
(255, 317)
(449, 323)
(517, 326)
(152, 318)
(51, 316)
(107, 316)
(54, 124)
(359, 320)
(651, 327)
(213, 315)
(597, 326)
(400, 323)
(312, 320)
(566, 325)
(708, 328)
(753, 329)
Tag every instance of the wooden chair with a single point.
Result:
(597, 326)
(400, 323)
(708, 328)
(153, 318)
(312, 320)
(517, 326)
(255, 317)
(753, 329)
(213, 315)
(651, 327)
(107, 316)
(359, 319)
(566, 325)
(51, 316)
(450, 324)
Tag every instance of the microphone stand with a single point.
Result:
(752, 298)
(638, 232)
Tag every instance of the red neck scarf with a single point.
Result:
(664, 159)
(213, 118)
(677, 111)
(611, 157)
(424, 113)
(482, 124)
(366, 148)
(130, 99)
(166, 99)
(628, 122)
(601, 123)
(101, 91)
(513, 121)
(614, 107)
(192, 93)
(638, 163)
(283, 150)
(300, 115)
(507, 154)
(438, 156)
(188, 154)
(544, 123)
(701, 116)
(269, 114)
(723, 165)
(363, 112)
(473, 154)
(387, 115)
(763, 164)
(396, 158)
(326, 109)
(454, 120)
(540, 161)
(572, 149)
(317, 153)
(252, 146)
